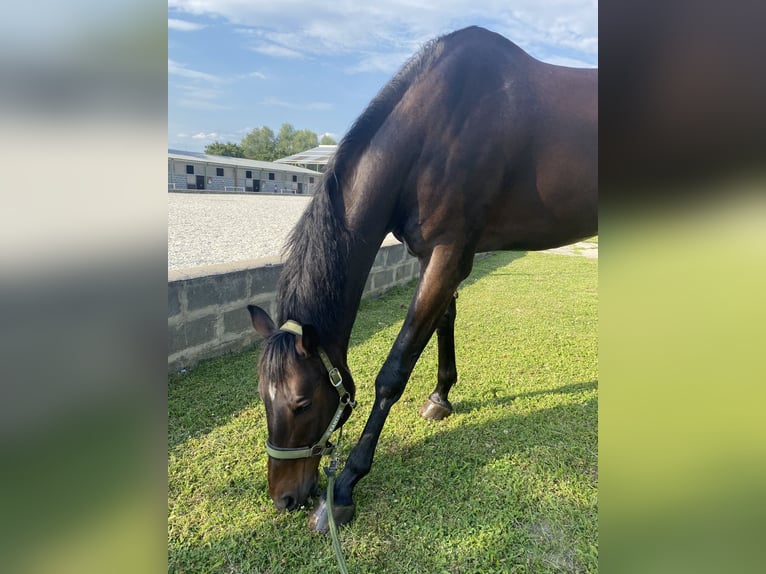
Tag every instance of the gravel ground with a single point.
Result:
(206, 229)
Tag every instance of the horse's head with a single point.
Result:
(305, 402)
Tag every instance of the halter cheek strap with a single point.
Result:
(323, 446)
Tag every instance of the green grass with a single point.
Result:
(506, 484)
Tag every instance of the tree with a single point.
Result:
(303, 140)
(327, 140)
(286, 141)
(260, 144)
(229, 149)
(290, 141)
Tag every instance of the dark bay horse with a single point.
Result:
(473, 146)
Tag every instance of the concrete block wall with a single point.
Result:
(207, 306)
(220, 183)
(179, 180)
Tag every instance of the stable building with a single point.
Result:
(216, 173)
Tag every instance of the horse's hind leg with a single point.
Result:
(438, 406)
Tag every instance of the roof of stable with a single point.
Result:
(238, 161)
(319, 155)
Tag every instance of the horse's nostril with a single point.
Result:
(287, 502)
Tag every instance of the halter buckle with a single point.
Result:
(322, 449)
(335, 377)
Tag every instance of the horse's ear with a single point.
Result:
(261, 321)
(308, 343)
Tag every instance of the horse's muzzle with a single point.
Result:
(294, 499)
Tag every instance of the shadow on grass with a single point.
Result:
(217, 389)
(467, 406)
(493, 490)
(489, 263)
(489, 495)
(210, 395)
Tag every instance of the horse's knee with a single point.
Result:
(390, 392)
(389, 386)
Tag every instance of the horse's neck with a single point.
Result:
(326, 276)
(367, 216)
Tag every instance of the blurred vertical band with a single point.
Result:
(682, 442)
(82, 286)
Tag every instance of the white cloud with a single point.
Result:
(195, 97)
(256, 75)
(183, 25)
(387, 63)
(570, 62)
(297, 106)
(277, 51)
(295, 28)
(176, 69)
(199, 104)
(202, 136)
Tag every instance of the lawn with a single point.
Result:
(506, 484)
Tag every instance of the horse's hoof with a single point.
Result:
(436, 411)
(318, 520)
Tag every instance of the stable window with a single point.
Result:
(219, 171)
(271, 176)
(295, 178)
(249, 175)
(311, 180)
(190, 169)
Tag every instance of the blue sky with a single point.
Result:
(234, 65)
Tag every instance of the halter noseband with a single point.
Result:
(323, 446)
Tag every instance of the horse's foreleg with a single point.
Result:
(438, 406)
(440, 276)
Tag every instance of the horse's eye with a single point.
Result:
(302, 408)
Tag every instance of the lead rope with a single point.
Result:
(330, 472)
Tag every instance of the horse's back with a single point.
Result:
(505, 148)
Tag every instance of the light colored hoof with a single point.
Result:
(435, 411)
(318, 520)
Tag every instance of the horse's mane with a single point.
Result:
(311, 286)
(372, 118)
